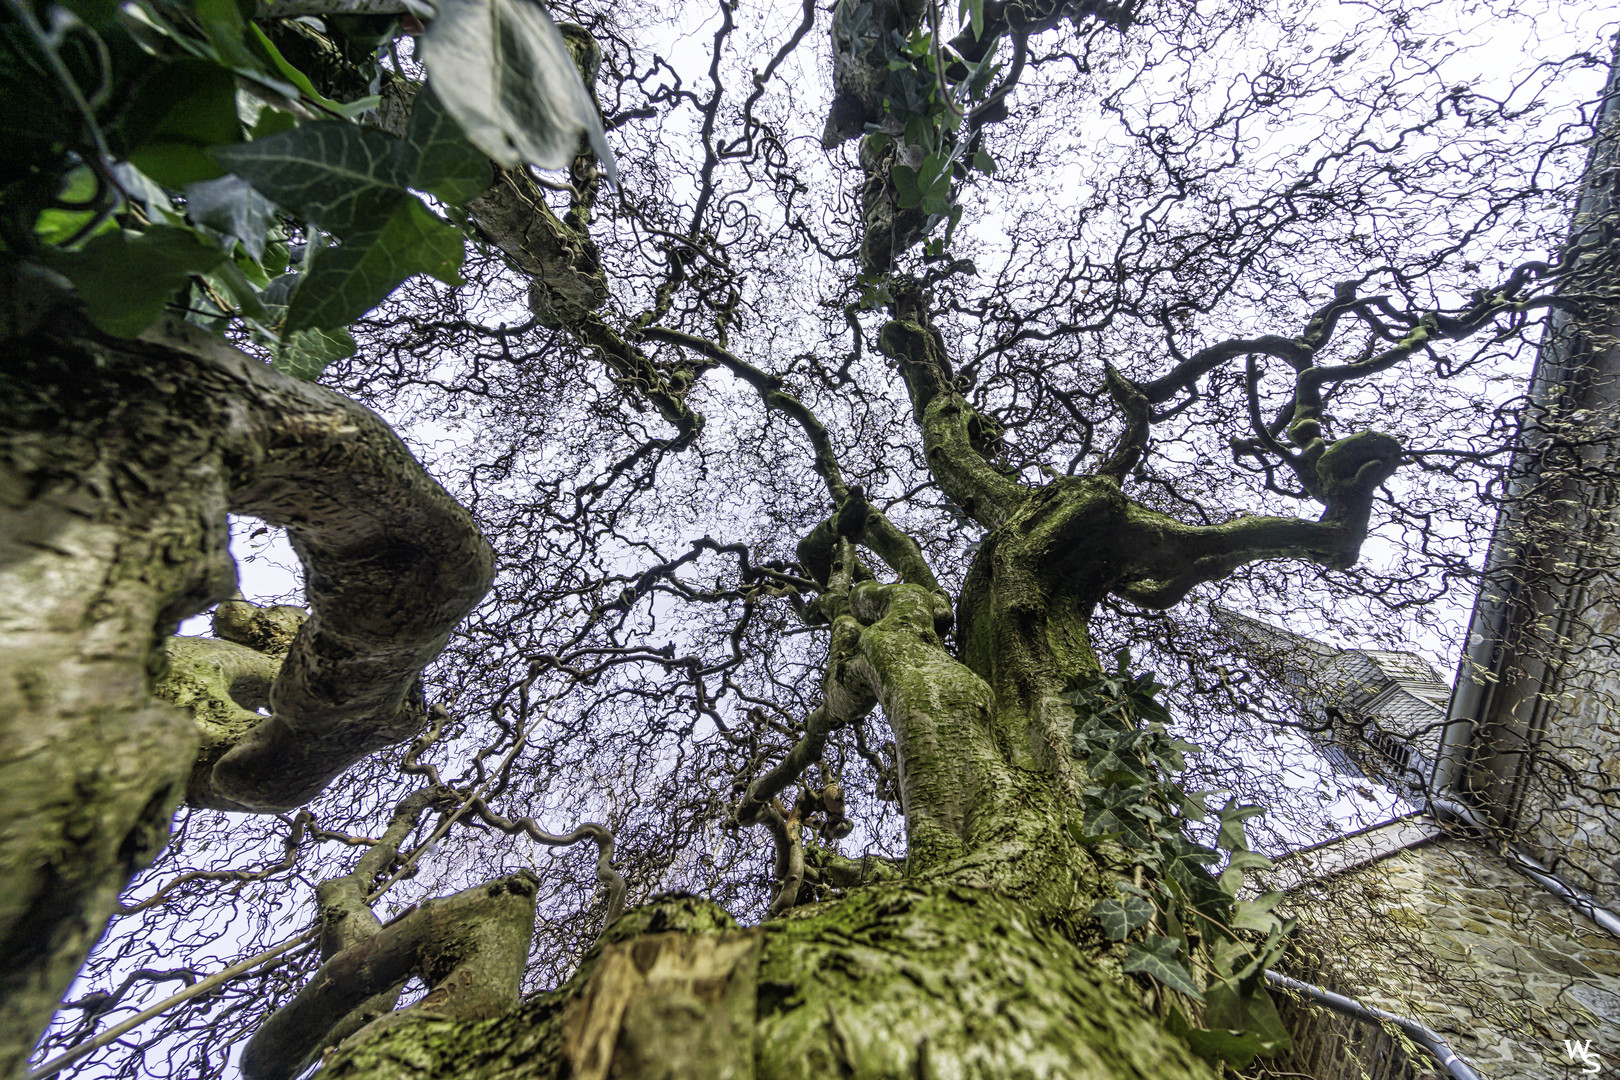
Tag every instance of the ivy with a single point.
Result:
(139, 171)
(1181, 924)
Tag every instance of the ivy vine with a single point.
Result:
(1185, 921)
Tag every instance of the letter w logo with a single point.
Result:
(1580, 1053)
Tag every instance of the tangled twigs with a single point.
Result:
(475, 804)
(601, 834)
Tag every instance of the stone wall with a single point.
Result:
(1448, 934)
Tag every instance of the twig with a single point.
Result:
(241, 967)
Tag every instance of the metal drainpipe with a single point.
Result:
(1531, 868)
(1425, 1037)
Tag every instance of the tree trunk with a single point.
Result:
(928, 978)
(118, 462)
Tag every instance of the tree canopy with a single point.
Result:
(855, 402)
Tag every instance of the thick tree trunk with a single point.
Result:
(114, 492)
(118, 463)
(926, 979)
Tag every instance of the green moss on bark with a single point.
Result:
(928, 979)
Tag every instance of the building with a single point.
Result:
(1417, 916)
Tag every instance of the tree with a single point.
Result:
(1062, 347)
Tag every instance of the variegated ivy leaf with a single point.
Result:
(503, 70)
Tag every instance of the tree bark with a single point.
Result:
(929, 978)
(118, 462)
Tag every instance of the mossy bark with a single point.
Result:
(918, 979)
(118, 463)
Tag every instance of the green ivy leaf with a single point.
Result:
(504, 71)
(58, 226)
(350, 279)
(1238, 1048)
(367, 33)
(1157, 957)
(266, 48)
(228, 279)
(972, 11)
(1216, 1046)
(437, 156)
(984, 162)
(97, 14)
(1256, 914)
(125, 278)
(1119, 916)
(343, 177)
(224, 22)
(1228, 1005)
(1243, 862)
(306, 354)
(1232, 817)
(231, 207)
(185, 108)
(272, 121)
(907, 192)
(1121, 823)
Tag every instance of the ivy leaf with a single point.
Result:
(934, 183)
(228, 278)
(224, 22)
(268, 50)
(79, 188)
(1185, 860)
(973, 11)
(1157, 957)
(125, 278)
(1232, 817)
(1228, 1005)
(350, 279)
(306, 354)
(186, 107)
(280, 290)
(505, 73)
(1256, 914)
(437, 157)
(907, 191)
(1119, 916)
(1121, 823)
(343, 177)
(1238, 1048)
(97, 14)
(1240, 866)
(984, 162)
(230, 206)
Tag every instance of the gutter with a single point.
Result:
(1439, 807)
(1425, 1037)
(1584, 903)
